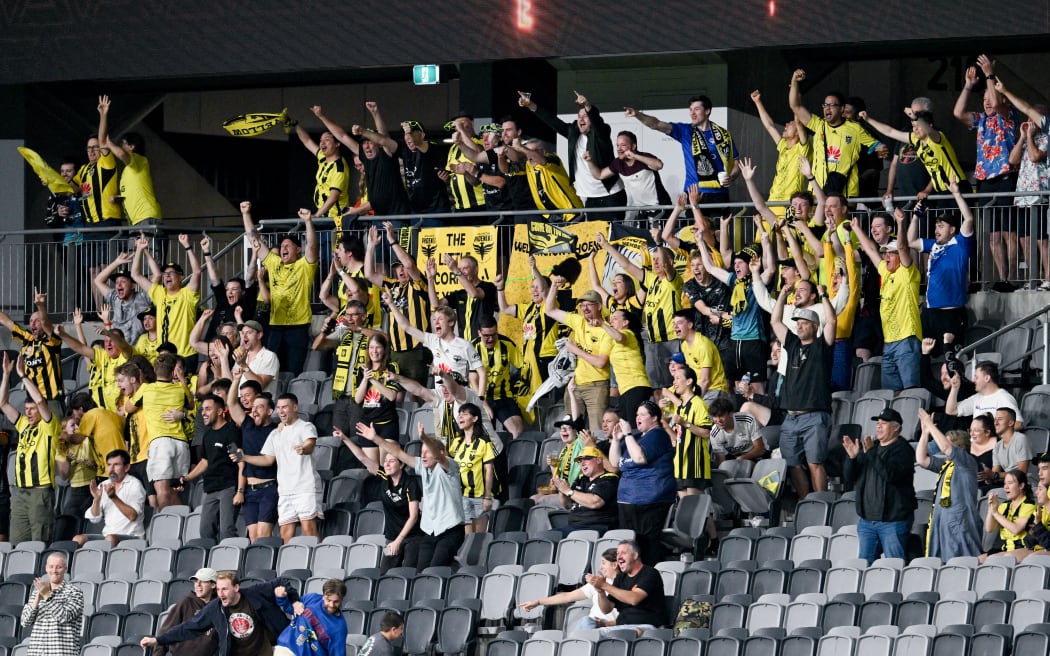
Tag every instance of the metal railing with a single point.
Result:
(67, 272)
(1043, 348)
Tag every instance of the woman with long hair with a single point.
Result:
(473, 450)
(378, 393)
(1010, 517)
(982, 445)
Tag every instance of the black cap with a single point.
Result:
(1041, 457)
(174, 265)
(889, 414)
(121, 273)
(151, 311)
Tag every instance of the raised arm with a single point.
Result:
(370, 463)
(197, 333)
(709, 263)
(213, 274)
(747, 169)
(628, 266)
(312, 250)
(1022, 106)
(194, 283)
(671, 224)
(763, 115)
(40, 302)
(337, 131)
(550, 304)
(102, 279)
(390, 446)
(904, 250)
(795, 97)
(233, 400)
(103, 131)
(11, 412)
(141, 244)
(648, 121)
(887, 130)
(596, 283)
(777, 316)
(75, 344)
(830, 318)
(959, 111)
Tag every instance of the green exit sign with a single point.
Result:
(426, 74)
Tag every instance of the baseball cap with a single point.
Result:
(589, 452)
(566, 420)
(175, 266)
(1041, 457)
(591, 296)
(151, 311)
(205, 574)
(253, 324)
(891, 247)
(678, 358)
(789, 262)
(889, 414)
(805, 314)
(121, 273)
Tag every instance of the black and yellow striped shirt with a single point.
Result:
(470, 309)
(43, 360)
(332, 175)
(465, 195)
(498, 361)
(662, 299)
(98, 184)
(539, 332)
(692, 455)
(35, 457)
(414, 302)
(472, 457)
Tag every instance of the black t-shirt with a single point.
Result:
(386, 192)
(807, 383)
(376, 408)
(254, 437)
(426, 192)
(248, 634)
(497, 199)
(469, 310)
(911, 176)
(652, 609)
(221, 472)
(224, 312)
(395, 500)
(604, 486)
(715, 296)
(518, 183)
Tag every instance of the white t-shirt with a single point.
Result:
(596, 610)
(588, 186)
(457, 354)
(740, 441)
(265, 362)
(987, 404)
(115, 522)
(295, 473)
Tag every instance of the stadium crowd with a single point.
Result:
(690, 358)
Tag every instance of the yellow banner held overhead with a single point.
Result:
(479, 242)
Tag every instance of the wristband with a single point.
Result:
(189, 248)
(240, 490)
(204, 254)
(108, 324)
(810, 179)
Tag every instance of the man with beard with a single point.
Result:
(424, 166)
(41, 352)
(640, 173)
(256, 485)
(218, 512)
(176, 303)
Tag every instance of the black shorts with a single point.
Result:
(698, 483)
(1031, 221)
(504, 409)
(750, 356)
(867, 333)
(937, 321)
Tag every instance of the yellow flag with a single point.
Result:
(49, 176)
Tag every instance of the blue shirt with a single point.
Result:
(315, 632)
(654, 481)
(683, 134)
(747, 322)
(948, 271)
